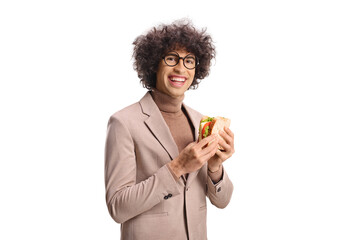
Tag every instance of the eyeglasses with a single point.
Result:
(189, 61)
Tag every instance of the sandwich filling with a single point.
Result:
(205, 126)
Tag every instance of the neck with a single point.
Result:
(167, 103)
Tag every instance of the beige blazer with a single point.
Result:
(141, 192)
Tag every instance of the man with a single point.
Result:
(157, 175)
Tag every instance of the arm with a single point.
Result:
(219, 185)
(217, 175)
(220, 193)
(125, 199)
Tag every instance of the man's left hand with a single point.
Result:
(227, 143)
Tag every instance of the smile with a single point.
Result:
(177, 78)
(177, 81)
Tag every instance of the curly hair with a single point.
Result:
(151, 47)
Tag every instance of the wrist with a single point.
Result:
(175, 168)
(215, 168)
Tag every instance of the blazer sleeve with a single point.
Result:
(220, 193)
(124, 197)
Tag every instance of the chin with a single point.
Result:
(176, 93)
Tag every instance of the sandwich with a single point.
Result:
(212, 125)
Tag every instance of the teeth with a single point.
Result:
(178, 79)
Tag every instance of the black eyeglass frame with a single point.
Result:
(183, 58)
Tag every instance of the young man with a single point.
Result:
(157, 175)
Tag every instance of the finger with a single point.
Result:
(209, 154)
(205, 141)
(231, 134)
(228, 131)
(225, 145)
(210, 147)
(221, 155)
(190, 145)
(228, 139)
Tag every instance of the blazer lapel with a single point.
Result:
(158, 126)
(195, 122)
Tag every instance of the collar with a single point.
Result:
(167, 103)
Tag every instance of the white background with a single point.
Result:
(286, 73)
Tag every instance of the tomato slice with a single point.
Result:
(203, 130)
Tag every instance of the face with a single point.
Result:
(174, 81)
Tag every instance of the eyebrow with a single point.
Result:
(173, 53)
(177, 54)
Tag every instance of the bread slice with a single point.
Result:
(217, 124)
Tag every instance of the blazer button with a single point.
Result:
(219, 189)
(169, 195)
(166, 197)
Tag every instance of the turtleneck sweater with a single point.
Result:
(179, 123)
(175, 117)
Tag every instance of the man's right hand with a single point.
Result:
(194, 156)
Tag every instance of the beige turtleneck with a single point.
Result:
(174, 115)
(179, 123)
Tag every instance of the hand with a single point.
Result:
(216, 161)
(194, 156)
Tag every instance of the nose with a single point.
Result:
(180, 68)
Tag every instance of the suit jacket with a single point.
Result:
(141, 192)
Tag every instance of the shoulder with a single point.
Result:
(133, 111)
(133, 115)
(127, 112)
(127, 116)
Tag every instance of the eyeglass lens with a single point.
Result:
(172, 60)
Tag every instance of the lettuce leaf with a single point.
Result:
(209, 119)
